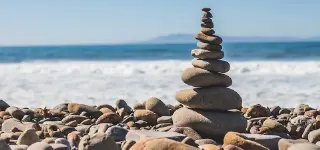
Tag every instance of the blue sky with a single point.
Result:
(33, 22)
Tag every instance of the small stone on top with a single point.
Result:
(206, 9)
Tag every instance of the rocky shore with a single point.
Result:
(152, 125)
(210, 116)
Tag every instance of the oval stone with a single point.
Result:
(209, 124)
(212, 65)
(207, 20)
(207, 24)
(198, 77)
(206, 9)
(206, 14)
(209, 39)
(208, 46)
(207, 31)
(304, 146)
(206, 54)
(210, 98)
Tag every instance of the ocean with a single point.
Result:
(283, 74)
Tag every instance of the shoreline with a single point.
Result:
(152, 118)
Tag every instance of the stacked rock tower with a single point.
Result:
(207, 106)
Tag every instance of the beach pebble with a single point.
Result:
(123, 111)
(77, 109)
(73, 139)
(209, 124)
(291, 128)
(202, 98)
(98, 141)
(157, 106)
(8, 124)
(56, 146)
(146, 115)
(127, 119)
(120, 103)
(274, 111)
(207, 25)
(137, 135)
(284, 111)
(4, 145)
(233, 138)
(307, 130)
(40, 146)
(106, 110)
(164, 129)
(87, 122)
(207, 54)
(28, 137)
(269, 141)
(284, 144)
(189, 132)
(198, 77)
(106, 106)
(205, 141)
(164, 119)
(314, 136)
(311, 113)
(274, 126)
(137, 106)
(64, 142)
(304, 146)
(49, 140)
(126, 145)
(26, 118)
(189, 141)
(206, 14)
(15, 112)
(301, 109)
(117, 133)
(18, 147)
(4, 113)
(302, 120)
(76, 118)
(208, 39)
(58, 109)
(232, 147)
(212, 65)
(206, 9)
(161, 144)
(207, 31)
(209, 147)
(3, 105)
(256, 111)
(109, 118)
(208, 46)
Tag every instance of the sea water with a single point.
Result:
(283, 74)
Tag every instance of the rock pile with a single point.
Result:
(206, 106)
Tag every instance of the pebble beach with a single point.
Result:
(205, 113)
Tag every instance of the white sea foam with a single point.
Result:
(36, 84)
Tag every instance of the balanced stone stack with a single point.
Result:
(207, 106)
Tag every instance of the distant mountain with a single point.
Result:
(189, 38)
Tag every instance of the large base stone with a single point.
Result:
(209, 124)
(210, 98)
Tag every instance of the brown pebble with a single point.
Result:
(206, 9)
(109, 118)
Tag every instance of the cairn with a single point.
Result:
(207, 106)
